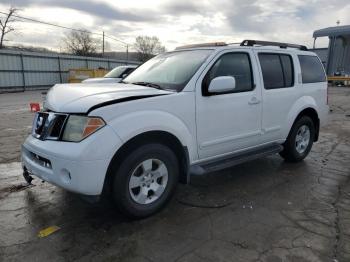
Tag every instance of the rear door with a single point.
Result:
(279, 91)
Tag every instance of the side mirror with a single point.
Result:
(124, 75)
(222, 84)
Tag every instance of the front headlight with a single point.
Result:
(79, 127)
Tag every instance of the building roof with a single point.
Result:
(333, 31)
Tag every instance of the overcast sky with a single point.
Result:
(178, 22)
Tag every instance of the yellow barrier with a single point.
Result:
(78, 75)
(344, 80)
(338, 78)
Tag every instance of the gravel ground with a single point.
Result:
(265, 210)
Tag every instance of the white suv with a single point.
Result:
(197, 109)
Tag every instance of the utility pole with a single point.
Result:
(103, 43)
(127, 54)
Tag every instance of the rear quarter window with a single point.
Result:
(311, 69)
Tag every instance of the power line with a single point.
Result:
(112, 38)
(66, 27)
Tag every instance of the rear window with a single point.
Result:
(311, 69)
(277, 70)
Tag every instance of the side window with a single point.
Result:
(311, 69)
(127, 72)
(237, 65)
(277, 70)
(288, 70)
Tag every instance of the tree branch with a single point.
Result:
(5, 25)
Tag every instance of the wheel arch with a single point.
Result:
(156, 136)
(312, 113)
(305, 105)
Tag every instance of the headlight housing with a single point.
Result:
(79, 127)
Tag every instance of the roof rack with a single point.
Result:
(201, 45)
(267, 43)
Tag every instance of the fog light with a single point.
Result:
(65, 176)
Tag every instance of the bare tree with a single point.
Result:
(5, 25)
(147, 47)
(80, 43)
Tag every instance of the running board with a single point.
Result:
(233, 160)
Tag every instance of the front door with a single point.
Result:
(231, 121)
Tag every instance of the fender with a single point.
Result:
(120, 100)
(140, 122)
(298, 106)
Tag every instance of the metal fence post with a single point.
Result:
(23, 75)
(59, 68)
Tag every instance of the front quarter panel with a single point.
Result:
(133, 124)
(169, 113)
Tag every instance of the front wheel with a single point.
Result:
(145, 180)
(299, 140)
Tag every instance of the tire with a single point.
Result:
(295, 147)
(139, 190)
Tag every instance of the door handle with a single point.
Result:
(253, 101)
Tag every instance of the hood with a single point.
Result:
(82, 98)
(102, 80)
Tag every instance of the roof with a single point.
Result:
(214, 44)
(267, 49)
(333, 31)
(245, 43)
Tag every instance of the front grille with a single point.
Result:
(48, 126)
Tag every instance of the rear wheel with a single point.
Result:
(145, 180)
(300, 140)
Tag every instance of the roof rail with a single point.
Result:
(267, 43)
(201, 45)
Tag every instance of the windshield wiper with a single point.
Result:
(153, 85)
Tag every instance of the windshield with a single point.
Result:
(170, 70)
(117, 72)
